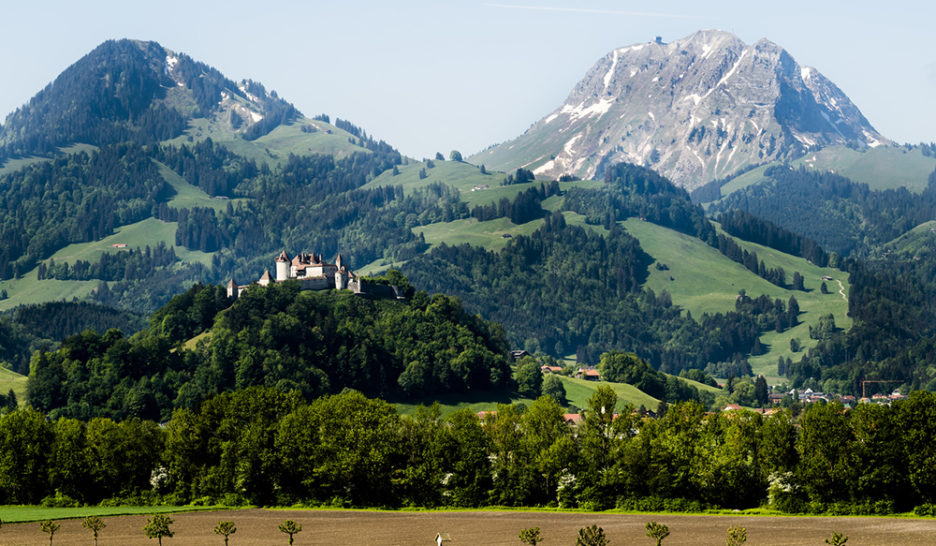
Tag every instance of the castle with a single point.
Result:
(310, 270)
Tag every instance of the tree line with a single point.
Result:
(841, 215)
(265, 447)
(894, 328)
(112, 266)
(637, 192)
(525, 207)
(751, 228)
(733, 251)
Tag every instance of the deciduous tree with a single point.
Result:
(290, 528)
(95, 525)
(225, 529)
(50, 527)
(657, 531)
(158, 527)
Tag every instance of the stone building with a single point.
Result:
(311, 270)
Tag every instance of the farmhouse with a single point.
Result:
(590, 374)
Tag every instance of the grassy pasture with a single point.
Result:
(701, 280)
(460, 175)
(12, 380)
(881, 168)
(29, 513)
(274, 147)
(488, 234)
(28, 289)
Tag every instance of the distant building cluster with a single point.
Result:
(810, 396)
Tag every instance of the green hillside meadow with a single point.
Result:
(881, 168)
(699, 278)
(578, 391)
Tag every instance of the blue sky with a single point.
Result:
(436, 76)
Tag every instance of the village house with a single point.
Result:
(589, 374)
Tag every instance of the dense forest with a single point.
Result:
(262, 446)
(751, 228)
(312, 342)
(79, 198)
(892, 304)
(843, 216)
(638, 192)
(40, 327)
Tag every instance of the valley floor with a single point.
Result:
(259, 527)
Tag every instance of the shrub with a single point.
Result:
(59, 500)
(290, 528)
(657, 531)
(531, 536)
(926, 509)
(591, 536)
(736, 536)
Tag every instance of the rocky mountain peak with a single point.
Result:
(695, 109)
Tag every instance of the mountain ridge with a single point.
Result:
(136, 90)
(687, 108)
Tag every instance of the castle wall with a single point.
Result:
(316, 283)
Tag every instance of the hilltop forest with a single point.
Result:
(313, 343)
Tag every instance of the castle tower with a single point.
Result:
(282, 267)
(341, 279)
(232, 289)
(338, 262)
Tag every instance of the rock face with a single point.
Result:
(695, 109)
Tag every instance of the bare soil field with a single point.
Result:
(257, 527)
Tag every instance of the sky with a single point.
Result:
(463, 75)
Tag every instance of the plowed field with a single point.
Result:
(320, 527)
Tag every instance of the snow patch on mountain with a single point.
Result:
(695, 109)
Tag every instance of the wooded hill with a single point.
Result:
(313, 343)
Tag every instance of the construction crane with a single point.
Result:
(866, 381)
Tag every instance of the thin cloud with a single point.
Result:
(591, 11)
